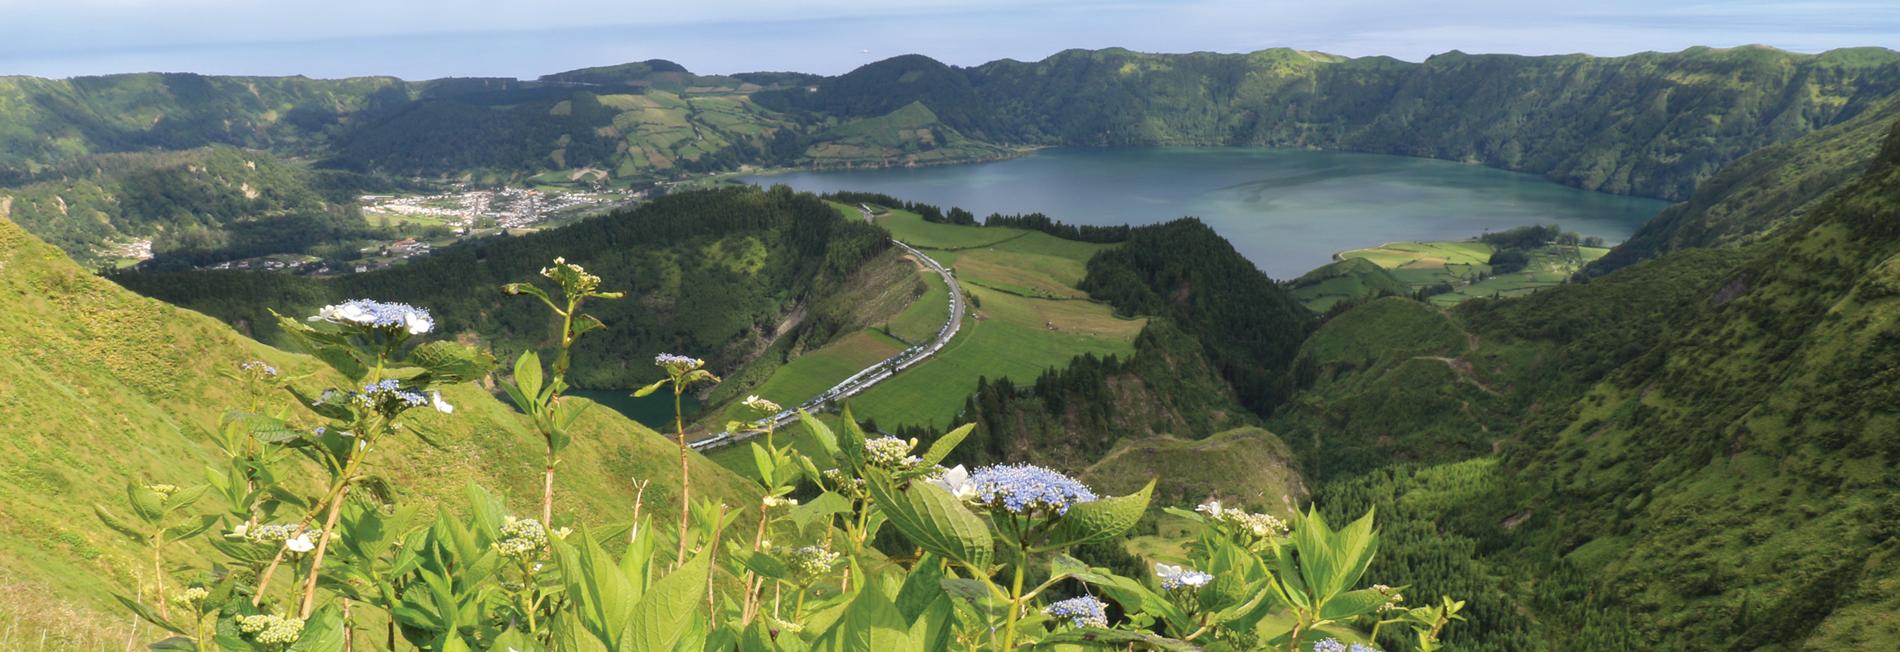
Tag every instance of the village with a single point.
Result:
(436, 220)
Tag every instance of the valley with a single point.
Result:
(1276, 350)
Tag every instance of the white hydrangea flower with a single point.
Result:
(442, 406)
(300, 544)
(956, 480)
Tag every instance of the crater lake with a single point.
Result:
(1287, 210)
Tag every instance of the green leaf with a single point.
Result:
(762, 461)
(649, 389)
(528, 376)
(1100, 520)
(325, 346)
(870, 624)
(1096, 637)
(602, 597)
(827, 440)
(584, 323)
(190, 529)
(322, 633)
(515, 641)
(944, 445)
(851, 441)
(568, 409)
(1351, 604)
(449, 363)
(112, 521)
(663, 614)
(148, 615)
(817, 509)
(932, 519)
(174, 644)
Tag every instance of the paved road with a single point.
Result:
(871, 375)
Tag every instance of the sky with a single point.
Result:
(424, 39)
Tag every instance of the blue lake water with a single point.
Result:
(1287, 210)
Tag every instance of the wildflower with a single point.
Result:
(891, 452)
(573, 280)
(190, 597)
(812, 561)
(785, 625)
(521, 538)
(1176, 577)
(388, 397)
(1329, 645)
(1240, 521)
(163, 490)
(1082, 611)
(1393, 598)
(268, 534)
(780, 501)
(279, 629)
(259, 367)
(394, 317)
(843, 483)
(677, 364)
(762, 405)
(300, 544)
(442, 406)
(955, 480)
(1027, 489)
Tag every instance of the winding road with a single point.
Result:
(869, 376)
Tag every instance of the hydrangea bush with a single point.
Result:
(883, 547)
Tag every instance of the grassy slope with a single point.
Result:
(99, 386)
(1013, 332)
(1247, 467)
(1423, 264)
(1350, 279)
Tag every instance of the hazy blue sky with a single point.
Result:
(434, 38)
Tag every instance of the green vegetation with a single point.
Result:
(100, 386)
(681, 297)
(1448, 273)
(1243, 467)
(1346, 280)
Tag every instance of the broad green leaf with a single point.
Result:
(148, 614)
(599, 591)
(174, 644)
(322, 633)
(112, 521)
(870, 624)
(1100, 520)
(933, 519)
(1351, 604)
(662, 615)
(827, 440)
(817, 509)
(947, 443)
(489, 513)
(1099, 638)
(922, 585)
(851, 440)
(515, 641)
(528, 376)
(762, 461)
(449, 363)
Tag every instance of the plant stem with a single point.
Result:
(1015, 609)
(547, 490)
(158, 573)
(686, 483)
(323, 545)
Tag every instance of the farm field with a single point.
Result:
(1464, 266)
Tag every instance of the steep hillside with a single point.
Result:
(1697, 451)
(1345, 281)
(100, 387)
(1766, 189)
(1242, 467)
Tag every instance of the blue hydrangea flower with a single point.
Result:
(1082, 611)
(1329, 645)
(1026, 489)
(377, 314)
(390, 397)
(259, 366)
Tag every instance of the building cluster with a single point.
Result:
(510, 208)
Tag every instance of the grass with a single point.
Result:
(914, 231)
(921, 320)
(811, 374)
(101, 386)
(1465, 266)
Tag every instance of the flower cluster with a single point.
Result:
(279, 629)
(269, 533)
(812, 561)
(573, 280)
(260, 368)
(1027, 489)
(843, 483)
(1240, 521)
(522, 538)
(1333, 645)
(762, 405)
(1174, 578)
(1082, 611)
(780, 501)
(191, 597)
(891, 453)
(678, 365)
(1393, 599)
(163, 490)
(392, 317)
(388, 397)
